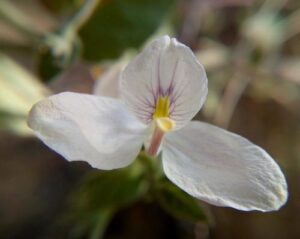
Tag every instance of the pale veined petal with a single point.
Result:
(108, 84)
(98, 130)
(168, 70)
(223, 168)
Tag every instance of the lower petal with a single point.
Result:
(94, 129)
(223, 168)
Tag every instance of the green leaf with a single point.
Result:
(178, 203)
(93, 224)
(100, 195)
(111, 189)
(102, 222)
(120, 24)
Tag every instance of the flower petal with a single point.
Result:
(165, 68)
(223, 168)
(108, 83)
(95, 129)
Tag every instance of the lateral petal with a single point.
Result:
(223, 168)
(98, 130)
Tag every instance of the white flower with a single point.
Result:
(162, 90)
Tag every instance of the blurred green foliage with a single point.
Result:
(62, 7)
(102, 194)
(101, 30)
(111, 189)
(178, 203)
(120, 24)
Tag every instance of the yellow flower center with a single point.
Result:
(163, 124)
(161, 114)
(162, 107)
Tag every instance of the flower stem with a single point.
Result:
(82, 15)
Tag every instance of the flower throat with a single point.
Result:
(162, 123)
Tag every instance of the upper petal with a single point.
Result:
(223, 168)
(95, 129)
(165, 68)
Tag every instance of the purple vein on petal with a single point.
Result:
(177, 95)
(145, 102)
(172, 86)
(159, 89)
(153, 91)
(144, 110)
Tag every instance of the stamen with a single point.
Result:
(165, 124)
(155, 141)
(162, 108)
(162, 126)
(162, 122)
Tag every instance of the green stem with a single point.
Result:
(67, 37)
(153, 170)
(102, 222)
(82, 15)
